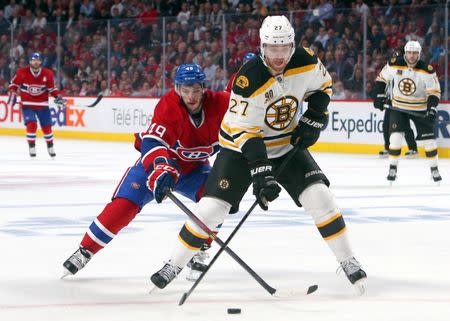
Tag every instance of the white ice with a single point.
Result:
(399, 233)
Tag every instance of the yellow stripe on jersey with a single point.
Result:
(263, 88)
(433, 91)
(397, 104)
(419, 100)
(235, 130)
(246, 136)
(278, 142)
(227, 144)
(299, 70)
(325, 85)
(329, 91)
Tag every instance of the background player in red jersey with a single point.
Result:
(33, 84)
(174, 155)
(248, 56)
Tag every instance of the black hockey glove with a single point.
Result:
(431, 114)
(265, 187)
(379, 101)
(432, 104)
(308, 129)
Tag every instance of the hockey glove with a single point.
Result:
(265, 187)
(379, 101)
(12, 98)
(432, 104)
(163, 177)
(308, 129)
(431, 114)
(60, 102)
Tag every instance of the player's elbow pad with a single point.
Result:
(433, 101)
(318, 102)
(379, 88)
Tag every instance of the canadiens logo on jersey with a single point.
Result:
(199, 153)
(34, 90)
(280, 114)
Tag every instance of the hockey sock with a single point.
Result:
(31, 128)
(211, 212)
(395, 147)
(319, 202)
(431, 152)
(115, 216)
(48, 135)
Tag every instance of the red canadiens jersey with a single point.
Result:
(34, 88)
(230, 83)
(173, 129)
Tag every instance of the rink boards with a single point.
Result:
(354, 126)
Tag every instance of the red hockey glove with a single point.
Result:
(163, 177)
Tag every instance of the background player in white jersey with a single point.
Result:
(260, 129)
(414, 88)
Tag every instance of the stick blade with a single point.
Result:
(183, 299)
(287, 293)
(99, 97)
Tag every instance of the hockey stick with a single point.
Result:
(95, 103)
(421, 116)
(224, 247)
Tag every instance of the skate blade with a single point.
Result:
(360, 286)
(65, 273)
(153, 290)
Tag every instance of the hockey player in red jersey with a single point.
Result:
(248, 56)
(33, 84)
(174, 155)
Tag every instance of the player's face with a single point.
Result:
(412, 57)
(192, 96)
(277, 56)
(35, 63)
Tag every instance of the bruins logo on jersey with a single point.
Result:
(407, 86)
(280, 113)
(242, 82)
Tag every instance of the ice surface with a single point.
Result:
(399, 233)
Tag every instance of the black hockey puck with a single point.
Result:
(233, 311)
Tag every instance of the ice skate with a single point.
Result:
(355, 274)
(412, 154)
(197, 265)
(76, 261)
(383, 153)
(392, 176)
(164, 276)
(51, 150)
(32, 149)
(435, 176)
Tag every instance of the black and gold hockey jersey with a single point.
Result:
(262, 105)
(410, 87)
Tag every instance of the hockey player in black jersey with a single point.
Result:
(262, 126)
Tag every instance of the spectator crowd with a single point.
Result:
(132, 47)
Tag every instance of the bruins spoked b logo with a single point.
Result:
(280, 113)
(407, 86)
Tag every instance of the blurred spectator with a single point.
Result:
(435, 50)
